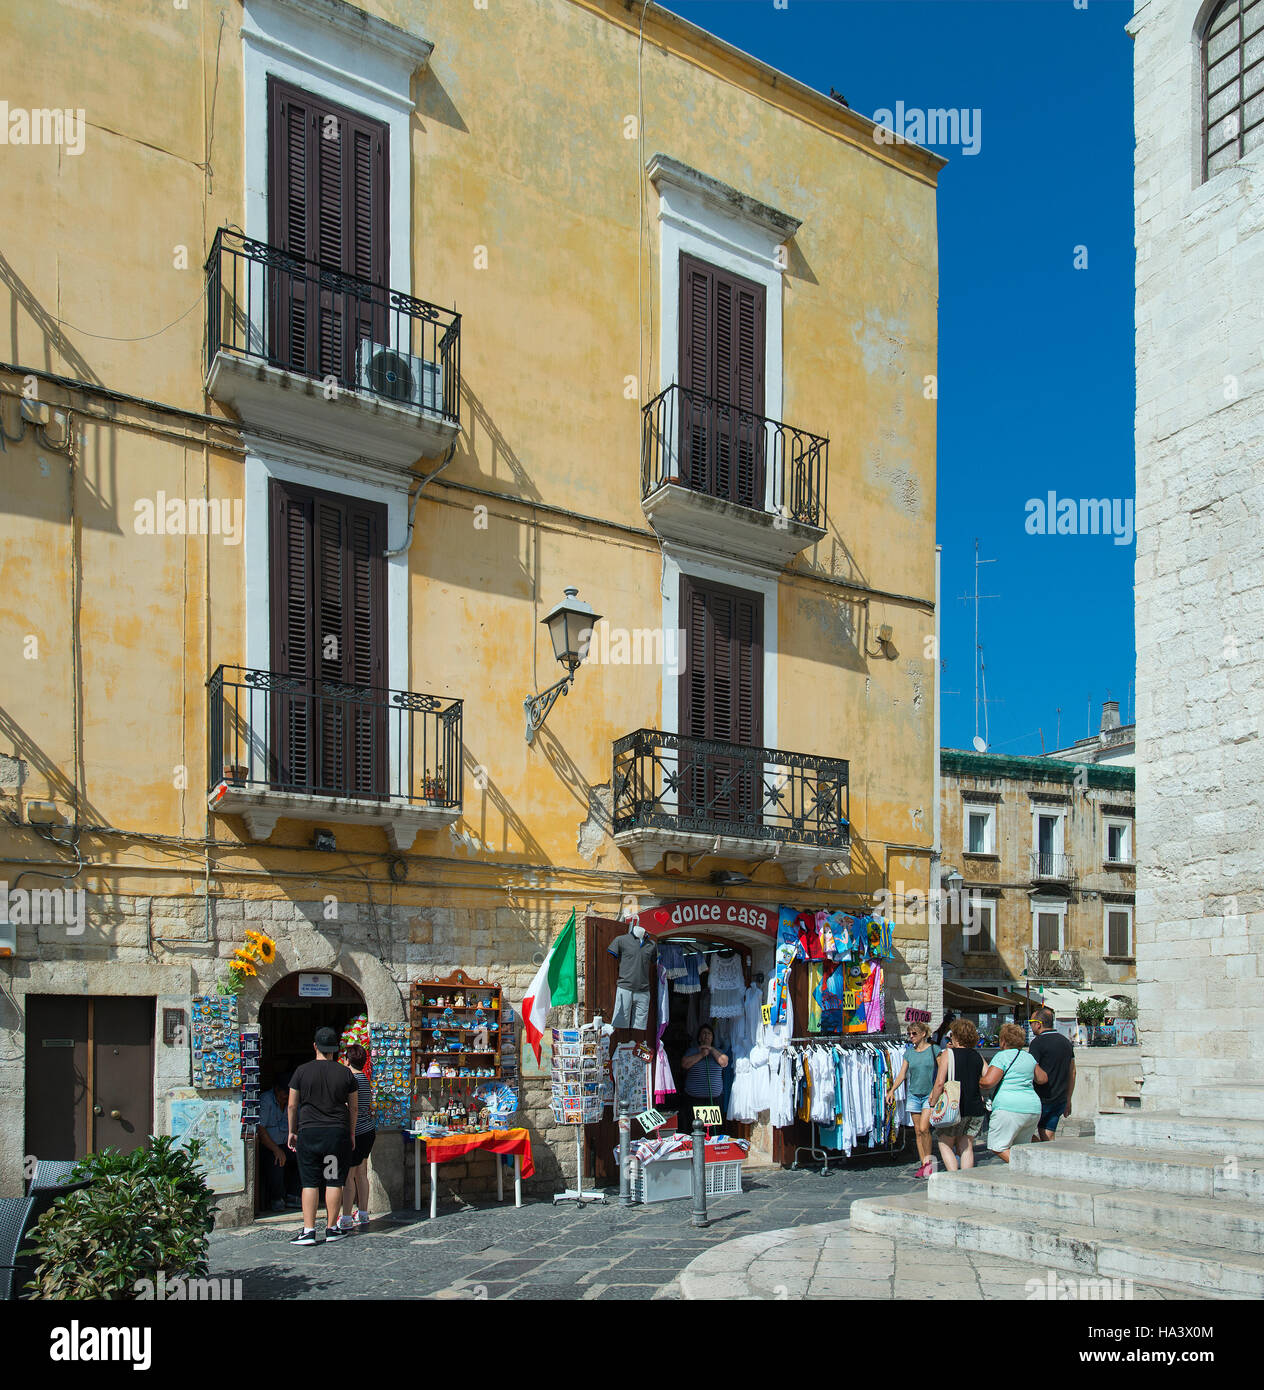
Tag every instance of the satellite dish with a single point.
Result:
(979, 745)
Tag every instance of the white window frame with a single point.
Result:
(1129, 909)
(1125, 823)
(1058, 813)
(977, 808)
(1059, 908)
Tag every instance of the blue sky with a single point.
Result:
(1036, 356)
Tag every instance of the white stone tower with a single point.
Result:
(1199, 194)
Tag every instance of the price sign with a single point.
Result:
(651, 1120)
(708, 1114)
(766, 1012)
(642, 1050)
(849, 999)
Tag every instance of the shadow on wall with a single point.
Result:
(60, 787)
(484, 804)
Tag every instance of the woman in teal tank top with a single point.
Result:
(1015, 1106)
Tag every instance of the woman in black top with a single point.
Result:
(956, 1141)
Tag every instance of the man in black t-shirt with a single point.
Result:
(324, 1100)
(1056, 1056)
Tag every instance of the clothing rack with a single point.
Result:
(825, 1156)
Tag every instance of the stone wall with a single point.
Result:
(1199, 579)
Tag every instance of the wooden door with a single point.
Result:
(329, 641)
(328, 209)
(721, 699)
(722, 337)
(89, 1074)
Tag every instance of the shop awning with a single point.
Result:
(973, 1000)
(1063, 1002)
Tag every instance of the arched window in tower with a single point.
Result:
(1233, 83)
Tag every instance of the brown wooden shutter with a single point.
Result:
(721, 355)
(328, 203)
(329, 631)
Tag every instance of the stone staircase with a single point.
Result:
(1168, 1198)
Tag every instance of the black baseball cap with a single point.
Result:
(326, 1039)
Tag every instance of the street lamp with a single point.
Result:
(570, 624)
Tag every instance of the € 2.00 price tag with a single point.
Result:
(651, 1119)
(708, 1114)
(766, 1013)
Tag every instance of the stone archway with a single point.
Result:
(307, 950)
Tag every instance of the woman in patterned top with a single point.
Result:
(365, 1134)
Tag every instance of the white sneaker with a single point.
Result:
(345, 1223)
(362, 1218)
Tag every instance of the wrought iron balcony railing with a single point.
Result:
(265, 304)
(670, 781)
(1052, 965)
(722, 451)
(1057, 867)
(268, 731)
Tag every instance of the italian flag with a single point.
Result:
(555, 983)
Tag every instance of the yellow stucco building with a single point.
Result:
(338, 342)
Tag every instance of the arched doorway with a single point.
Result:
(288, 1021)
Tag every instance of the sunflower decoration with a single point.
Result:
(243, 963)
(263, 946)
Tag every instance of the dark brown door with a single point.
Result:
(329, 642)
(89, 1074)
(721, 700)
(722, 375)
(601, 977)
(327, 208)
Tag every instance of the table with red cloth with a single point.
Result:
(450, 1146)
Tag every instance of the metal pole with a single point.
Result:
(625, 1155)
(699, 1217)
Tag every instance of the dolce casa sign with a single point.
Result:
(711, 914)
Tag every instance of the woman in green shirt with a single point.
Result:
(1015, 1106)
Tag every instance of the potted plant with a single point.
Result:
(1092, 1013)
(434, 789)
(144, 1215)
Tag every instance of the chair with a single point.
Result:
(16, 1220)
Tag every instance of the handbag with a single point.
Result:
(988, 1102)
(947, 1109)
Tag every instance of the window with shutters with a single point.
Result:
(721, 700)
(1233, 83)
(722, 427)
(1118, 841)
(327, 208)
(980, 828)
(328, 606)
(1047, 930)
(1119, 932)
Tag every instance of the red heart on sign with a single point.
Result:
(661, 917)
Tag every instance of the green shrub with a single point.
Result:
(1092, 1010)
(1126, 1009)
(145, 1212)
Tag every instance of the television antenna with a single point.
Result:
(980, 667)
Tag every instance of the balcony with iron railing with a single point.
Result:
(319, 750)
(1048, 867)
(327, 357)
(713, 473)
(673, 793)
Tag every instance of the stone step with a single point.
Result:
(1223, 1222)
(1133, 1129)
(1088, 1251)
(1243, 1100)
(1181, 1172)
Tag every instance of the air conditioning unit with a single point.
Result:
(399, 376)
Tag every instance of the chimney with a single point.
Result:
(1110, 715)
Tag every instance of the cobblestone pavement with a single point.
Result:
(539, 1250)
(831, 1260)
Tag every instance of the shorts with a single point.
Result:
(967, 1127)
(316, 1145)
(363, 1147)
(916, 1104)
(1052, 1113)
(631, 1010)
(1010, 1127)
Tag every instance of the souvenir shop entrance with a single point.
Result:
(688, 1008)
(288, 1019)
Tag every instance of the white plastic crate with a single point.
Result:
(668, 1178)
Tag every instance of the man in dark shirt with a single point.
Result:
(1055, 1054)
(324, 1100)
